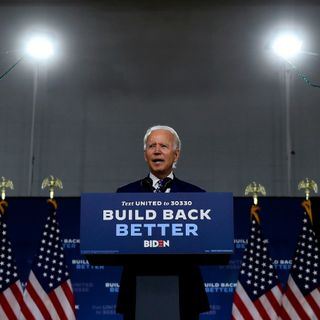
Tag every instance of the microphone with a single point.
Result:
(147, 184)
(166, 184)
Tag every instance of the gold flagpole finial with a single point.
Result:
(254, 189)
(52, 183)
(5, 184)
(308, 185)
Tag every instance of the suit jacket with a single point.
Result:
(145, 185)
(192, 296)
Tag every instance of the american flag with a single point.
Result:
(11, 297)
(301, 299)
(258, 292)
(48, 293)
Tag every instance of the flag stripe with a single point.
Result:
(314, 302)
(37, 295)
(268, 305)
(274, 299)
(25, 312)
(263, 313)
(30, 310)
(14, 297)
(244, 304)
(57, 306)
(316, 295)
(37, 304)
(287, 311)
(2, 314)
(69, 304)
(17, 291)
(4, 303)
(294, 296)
(236, 314)
(241, 306)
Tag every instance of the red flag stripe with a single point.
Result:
(268, 304)
(67, 289)
(7, 307)
(2, 314)
(236, 314)
(264, 315)
(17, 292)
(313, 304)
(316, 295)
(287, 311)
(296, 303)
(56, 303)
(247, 303)
(14, 297)
(27, 313)
(300, 297)
(242, 307)
(38, 301)
(274, 297)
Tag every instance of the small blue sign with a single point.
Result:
(156, 223)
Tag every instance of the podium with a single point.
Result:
(177, 230)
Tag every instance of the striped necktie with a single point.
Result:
(163, 184)
(159, 186)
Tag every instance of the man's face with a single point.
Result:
(160, 153)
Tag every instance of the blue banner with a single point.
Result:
(156, 223)
(96, 287)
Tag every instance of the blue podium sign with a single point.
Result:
(156, 223)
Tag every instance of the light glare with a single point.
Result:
(287, 45)
(40, 48)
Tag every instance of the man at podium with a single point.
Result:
(174, 291)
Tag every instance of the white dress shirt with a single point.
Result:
(155, 180)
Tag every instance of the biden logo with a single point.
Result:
(156, 243)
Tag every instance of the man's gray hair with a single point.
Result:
(177, 143)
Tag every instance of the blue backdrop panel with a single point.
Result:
(96, 287)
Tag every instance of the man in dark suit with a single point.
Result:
(162, 147)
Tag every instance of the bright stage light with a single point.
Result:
(287, 45)
(40, 47)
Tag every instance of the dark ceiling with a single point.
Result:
(160, 3)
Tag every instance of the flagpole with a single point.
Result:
(33, 116)
(288, 81)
